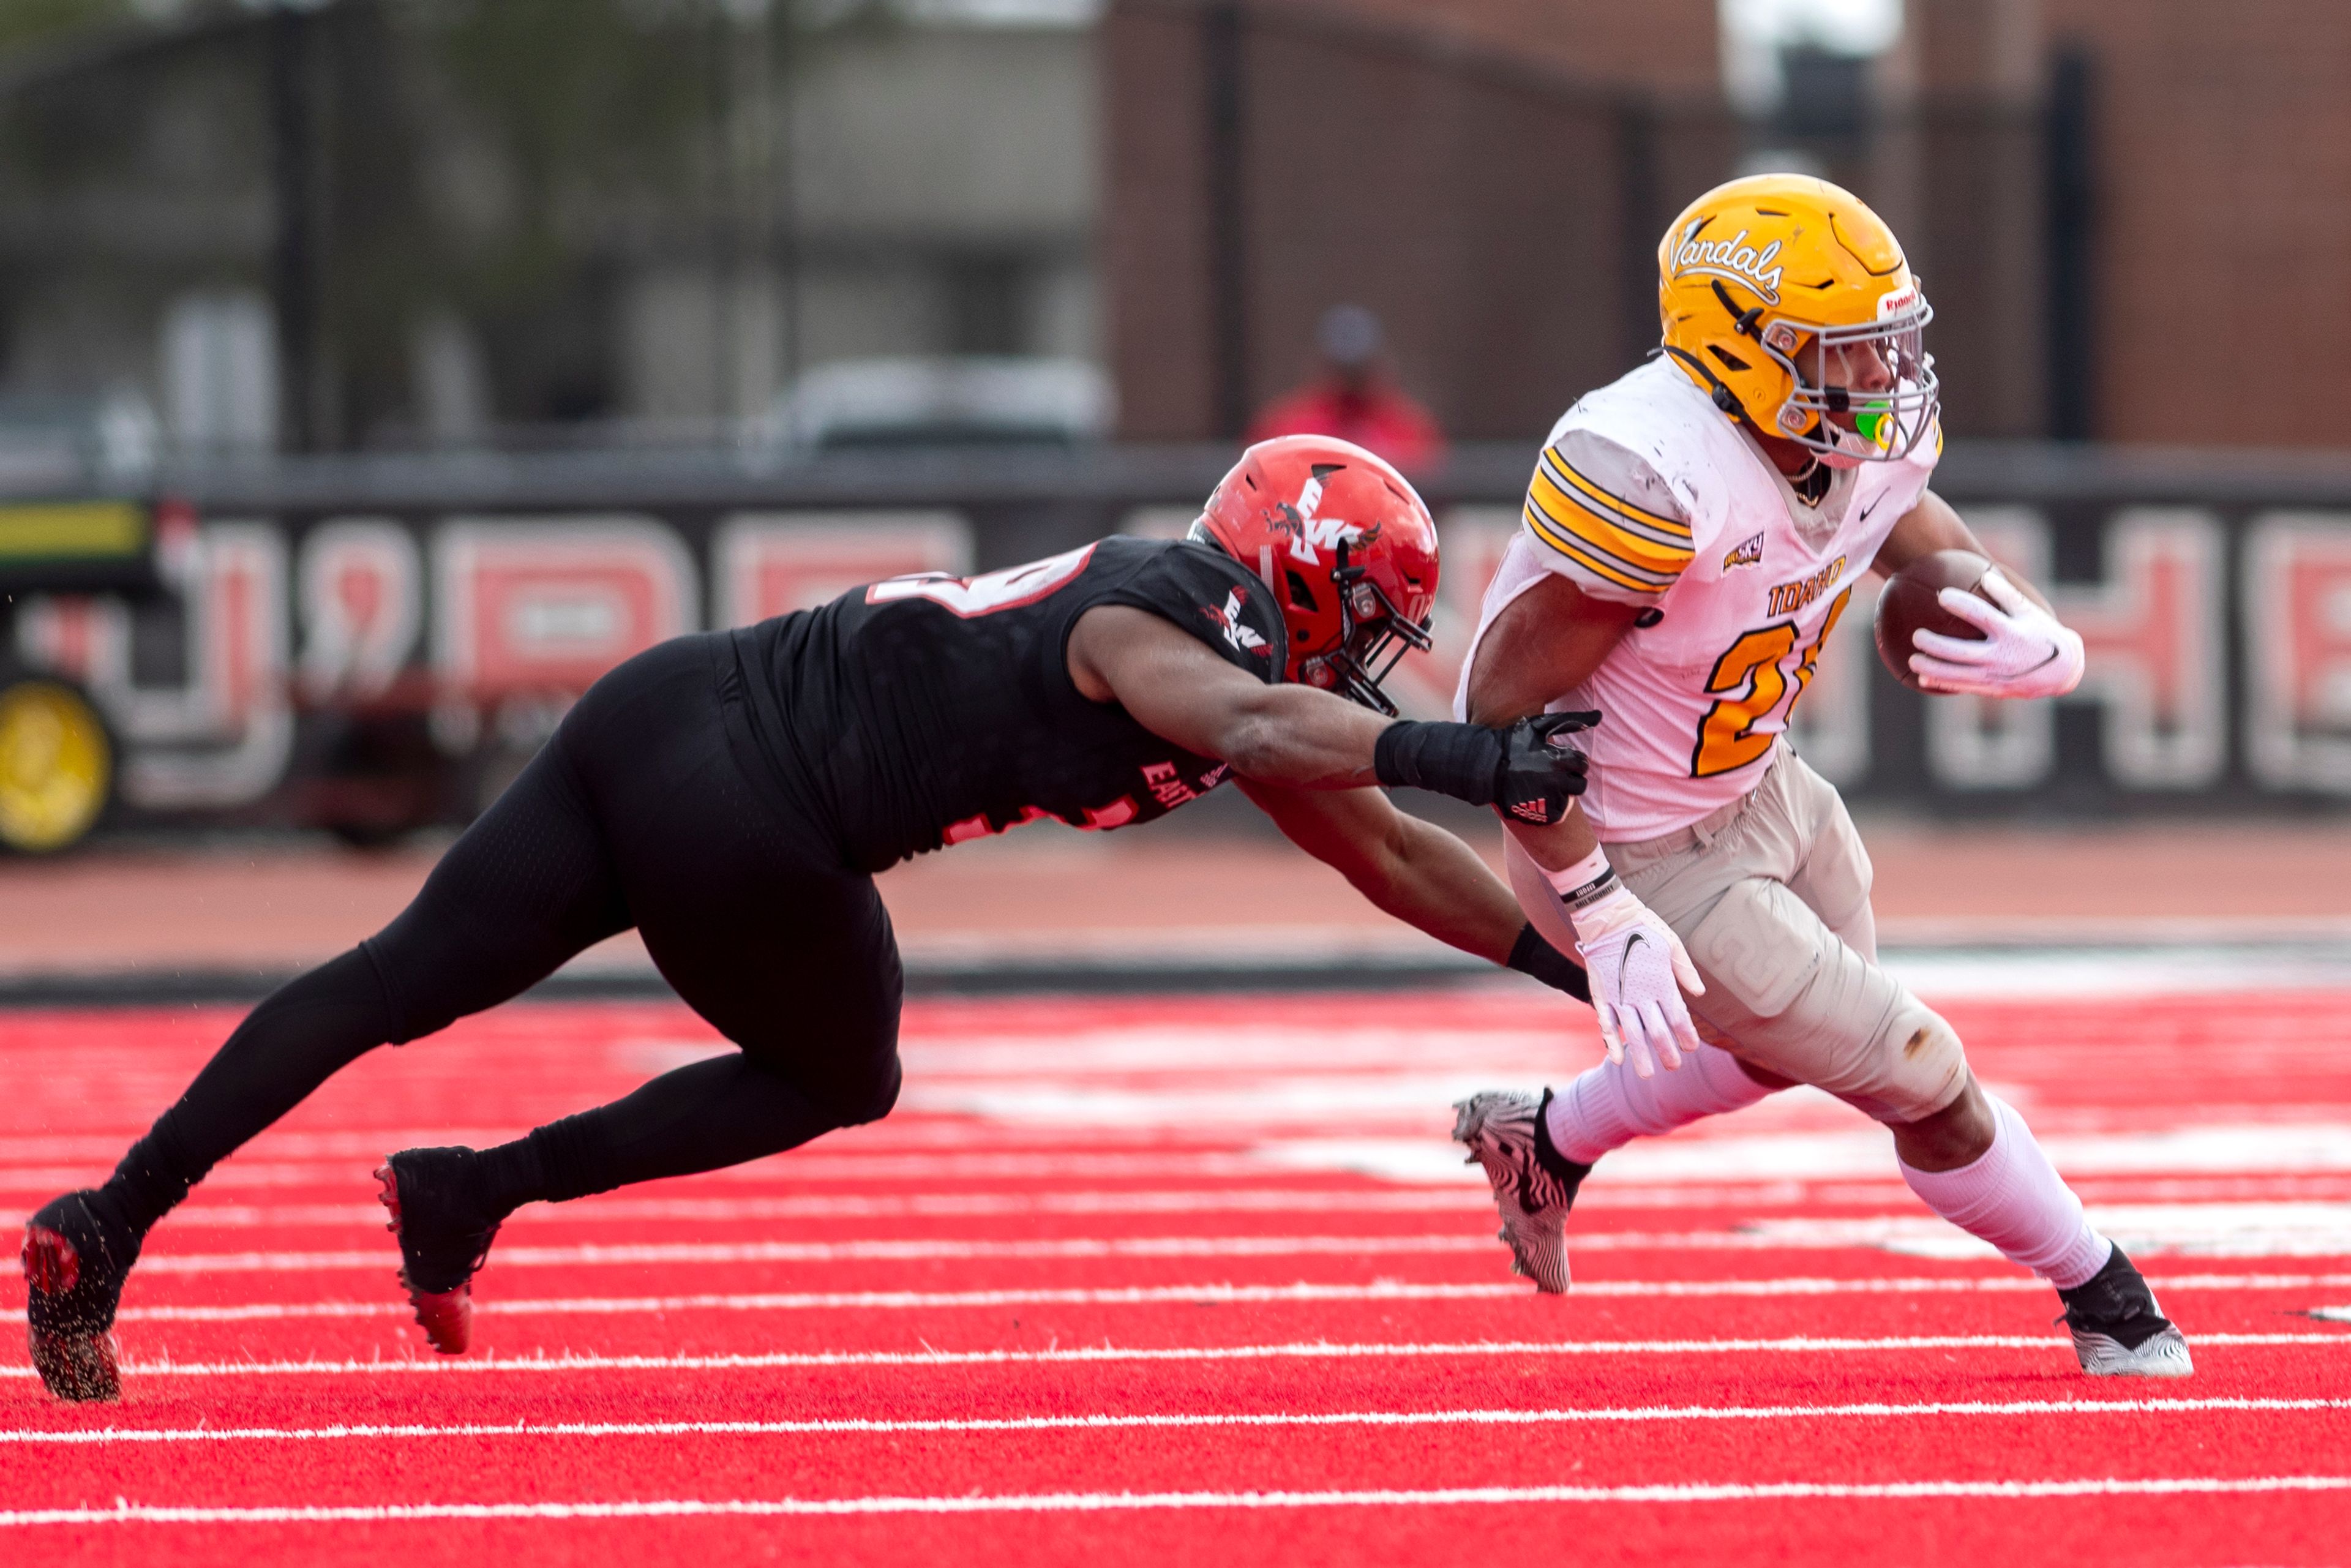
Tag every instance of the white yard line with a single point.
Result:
(1887, 1199)
(1216, 1294)
(787, 1170)
(882, 1249)
(1081, 1355)
(915, 1206)
(128, 1513)
(1632, 1413)
(2216, 1230)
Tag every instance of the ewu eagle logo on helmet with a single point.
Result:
(1237, 633)
(1309, 534)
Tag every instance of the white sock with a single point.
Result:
(1610, 1105)
(2011, 1196)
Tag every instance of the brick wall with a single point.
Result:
(1154, 242)
(2224, 226)
(1664, 44)
(1453, 164)
(2222, 286)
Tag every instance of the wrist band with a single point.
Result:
(1587, 880)
(1533, 955)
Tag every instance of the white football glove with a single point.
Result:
(1634, 959)
(2026, 651)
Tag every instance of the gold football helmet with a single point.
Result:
(1790, 303)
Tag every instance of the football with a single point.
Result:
(1908, 605)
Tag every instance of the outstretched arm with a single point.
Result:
(1416, 872)
(1412, 870)
(1176, 688)
(1304, 756)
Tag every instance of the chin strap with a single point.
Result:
(1727, 401)
(1724, 398)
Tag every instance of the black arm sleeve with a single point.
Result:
(1533, 955)
(1456, 760)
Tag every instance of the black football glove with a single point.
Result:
(1540, 771)
(1528, 769)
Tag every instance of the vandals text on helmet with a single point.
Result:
(1732, 258)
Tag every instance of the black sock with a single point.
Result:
(511, 1175)
(152, 1177)
(1568, 1172)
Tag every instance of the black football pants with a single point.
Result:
(646, 809)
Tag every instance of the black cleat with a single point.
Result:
(444, 1231)
(78, 1251)
(2118, 1331)
(1534, 1185)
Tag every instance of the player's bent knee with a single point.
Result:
(1802, 1004)
(882, 1098)
(852, 1094)
(369, 970)
(1923, 1068)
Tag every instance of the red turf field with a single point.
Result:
(1195, 1280)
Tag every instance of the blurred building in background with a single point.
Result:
(2096, 194)
(370, 223)
(1492, 178)
(355, 223)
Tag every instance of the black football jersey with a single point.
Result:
(922, 711)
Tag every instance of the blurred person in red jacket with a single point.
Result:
(1353, 397)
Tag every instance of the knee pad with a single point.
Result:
(1921, 1066)
(1788, 995)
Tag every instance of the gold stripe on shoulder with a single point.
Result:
(1611, 502)
(1599, 563)
(1569, 512)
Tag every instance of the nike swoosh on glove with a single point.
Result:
(1634, 961)
(2026, 651)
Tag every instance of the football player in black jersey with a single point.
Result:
(730, 795)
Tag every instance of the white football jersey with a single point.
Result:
(1647, 494)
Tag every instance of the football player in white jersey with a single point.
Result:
(1693, 532)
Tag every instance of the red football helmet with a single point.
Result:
(1347, 548)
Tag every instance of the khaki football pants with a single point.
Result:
(1771, 895)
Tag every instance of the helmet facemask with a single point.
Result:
(1885, 425)
(1346, 549)
(1373, 637)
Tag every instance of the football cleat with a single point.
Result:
(2117, 1328)
(1534, 1185)
(445, 1235)
(78, 1251)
